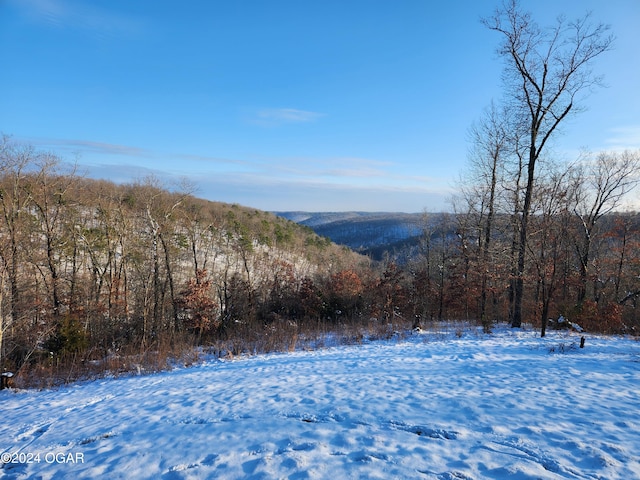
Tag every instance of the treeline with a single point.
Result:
(538, 236)
(586, 271)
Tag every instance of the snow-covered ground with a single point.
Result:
(432, 405)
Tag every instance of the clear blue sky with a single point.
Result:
(322, 105)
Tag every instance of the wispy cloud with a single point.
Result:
(123, 173)
(81, 147)
(307, 183)
(272, 117)
(624, 138)
(78, 15)
(358, 168)
(355, 171)
(330, 167)
(276, 193)
(206, 159)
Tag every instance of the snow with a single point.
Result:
(456, 404)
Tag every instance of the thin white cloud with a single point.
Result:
(624, 138)
(207, 159)
(123, 173)
(50, 12)
(291, 177)
(78, 15)
(311, 183)
(90, 154)
(278, 116)
(333, 167)
(356, 171)
(86, 146)
(280, 194)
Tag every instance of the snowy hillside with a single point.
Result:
(434, 405)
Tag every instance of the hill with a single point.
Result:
(92, 269)
(370, 233)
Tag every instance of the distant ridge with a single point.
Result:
(319, 218)
(372, 233)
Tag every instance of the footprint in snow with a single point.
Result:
(89, 403)
(33, 432)
(425, 431)
(532, 454)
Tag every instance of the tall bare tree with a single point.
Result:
(546, 73)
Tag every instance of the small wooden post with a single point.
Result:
(581, 342)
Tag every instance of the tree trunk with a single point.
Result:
(516, 322)
(174, 300)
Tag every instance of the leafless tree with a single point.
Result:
(51, 186)
(14, 200)
(601, 184)
(491, 144)
(547, 71)
(548, 235)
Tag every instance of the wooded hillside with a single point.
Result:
(91, 270)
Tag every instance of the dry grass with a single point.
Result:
(278, 336)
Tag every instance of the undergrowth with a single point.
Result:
(281, 336)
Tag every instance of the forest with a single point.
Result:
(97, 277)
(95, 274)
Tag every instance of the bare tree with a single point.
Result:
(491, 142)
(546, 71)
(159, 212)
(14, 200)
(626, 235)
(15, 161)
(602, 183)
(51, 186)
(548, 236)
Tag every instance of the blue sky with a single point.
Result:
(323, 105)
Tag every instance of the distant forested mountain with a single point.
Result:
(372, 233)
